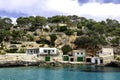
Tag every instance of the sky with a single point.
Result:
(95, 9)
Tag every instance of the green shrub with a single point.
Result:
(66, 49)
(21, 50)
(69, 32)
(12, 50)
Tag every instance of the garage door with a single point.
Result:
(79, 59)
(47, 58)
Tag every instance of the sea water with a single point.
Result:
(79, 72)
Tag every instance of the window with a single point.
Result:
(78, 53)
(52, 50)
(101, 51)
(31, 51)
(45, 51)
(37, 50)
(81, 53)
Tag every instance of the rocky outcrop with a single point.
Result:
(18, 63)
(113, 64)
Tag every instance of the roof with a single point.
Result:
(39, 48)
(32, 48)
(81, 50)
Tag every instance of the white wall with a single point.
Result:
(106, 52)
(41, 50)
(93, 60)
(32, 51)
(79, 54)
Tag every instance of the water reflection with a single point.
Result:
(100, 69)
(91, 68)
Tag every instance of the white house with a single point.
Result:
(97, 60)
(32, 51)
(106, 54)
(47, 51)
(46, 54)
(77, 55)
(42, 51)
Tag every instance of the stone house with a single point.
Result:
(75, 56)
(106, 54)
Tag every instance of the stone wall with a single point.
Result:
(18, 57)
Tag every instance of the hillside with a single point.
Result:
(58, 31)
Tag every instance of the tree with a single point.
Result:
(31, 21)
(115, 41)
(90, 23)
(84, 41)
(59, 19)
(69, 32)
(116, 32)
(22, 21)
(53, 37)
(61, 28)
(18, 35)
(1, 36)
(7, 23)
(98, 28)
(66, 49)
(79, 32)
(4, 35)
(40, 21)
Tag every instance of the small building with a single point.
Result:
(97, 60)
(42, 51)
(79, 53)
(94, 60)
(106, 54)
(46, 54)
(47, 51)
(32, 51)
(75, 56)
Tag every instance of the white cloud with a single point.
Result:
(92, 9)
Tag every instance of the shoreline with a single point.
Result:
(35, 63)
(17, 60)
(53, 64)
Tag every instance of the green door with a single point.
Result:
(79, 59)
(49, 52)
(47, 58)
(65, 58)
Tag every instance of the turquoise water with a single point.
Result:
(81, 72)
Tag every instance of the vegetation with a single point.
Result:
(53, 37)
(66, 49)
(89, 32)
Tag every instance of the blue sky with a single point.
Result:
(95, 9)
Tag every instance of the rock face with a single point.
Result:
(114, 64)
(18, 63)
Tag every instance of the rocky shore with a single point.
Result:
(16, 60)
(37, 63)
(18, 63)
(55, 64)
(113, 64)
